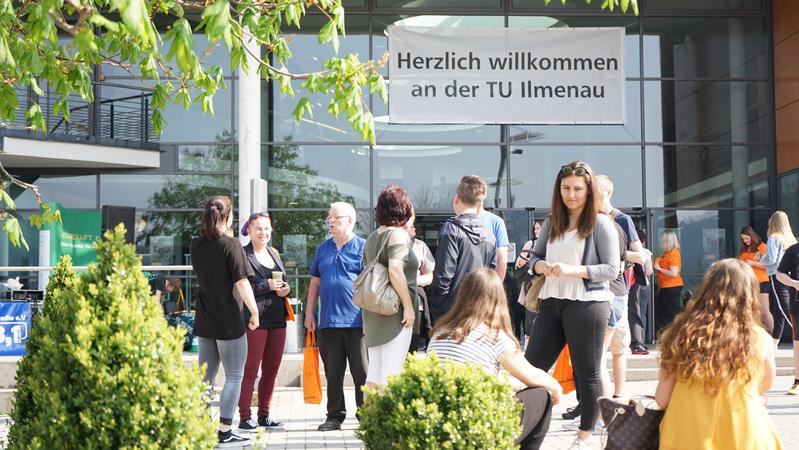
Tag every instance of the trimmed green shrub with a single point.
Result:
(107, 371)
(442, 405)
(62, 278)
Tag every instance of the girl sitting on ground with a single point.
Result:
(716, 362)
(478, 330)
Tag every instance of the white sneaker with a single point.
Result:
(581, 445)
(574, 425)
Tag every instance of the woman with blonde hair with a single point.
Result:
(715, 363)
(780, 237)
(667, 267)
(478, 330)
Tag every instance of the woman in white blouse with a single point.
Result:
(578, 252)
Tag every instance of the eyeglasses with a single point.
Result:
(334, 218)
(566, 171)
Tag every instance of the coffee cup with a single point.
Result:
(277, 276)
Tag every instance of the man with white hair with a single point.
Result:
(340, 329)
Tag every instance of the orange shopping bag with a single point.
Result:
(563, 372)
(311, 383)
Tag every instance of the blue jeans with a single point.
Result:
(618, 307)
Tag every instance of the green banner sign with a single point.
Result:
(74, 235)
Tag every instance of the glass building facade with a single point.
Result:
(696, 153)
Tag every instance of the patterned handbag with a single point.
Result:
(631, 426)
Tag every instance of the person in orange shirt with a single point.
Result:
(668, 302)
(753, 250)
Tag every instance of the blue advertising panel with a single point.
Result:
(15, 323)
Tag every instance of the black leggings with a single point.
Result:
(779, 298)
(667, 305)
(536, 415)
(582, 325)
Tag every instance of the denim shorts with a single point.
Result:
(617, 310)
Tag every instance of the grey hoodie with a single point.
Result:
(464, 245)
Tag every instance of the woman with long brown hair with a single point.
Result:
(753, 251)
(222, 269)
(715, 363)
(578, 252)
(478, 329)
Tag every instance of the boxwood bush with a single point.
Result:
(442, 405)
(62, 278)
(106, 370)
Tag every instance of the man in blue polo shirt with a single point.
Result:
(340, 337)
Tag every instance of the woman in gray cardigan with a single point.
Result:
(578, 252)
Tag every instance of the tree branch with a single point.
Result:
(32, 187)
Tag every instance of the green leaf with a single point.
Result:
(7, 198)
(11, 227)
(216, 20)
(182, 45)
(303, 107)
(100, 21)
(35, 117)
(329, 33)
(36, 88)
(136, 18)
(6, 57)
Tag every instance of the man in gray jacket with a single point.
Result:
(463, 246)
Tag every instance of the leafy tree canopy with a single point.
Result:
(60, 43)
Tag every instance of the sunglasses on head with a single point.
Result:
(567, 171)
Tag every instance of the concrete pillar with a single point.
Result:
(249, 131)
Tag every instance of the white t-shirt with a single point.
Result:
(569, 250)
(265, 259)
(480, 347)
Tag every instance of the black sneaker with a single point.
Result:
(639, 349)
(330, 425)
(248, 426)
(572, 413)
(269, 424)
(231, 439)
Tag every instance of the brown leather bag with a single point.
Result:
(531, 301)
(632, 425)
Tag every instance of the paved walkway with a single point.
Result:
(301, 420)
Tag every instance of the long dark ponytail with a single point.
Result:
(217, 211)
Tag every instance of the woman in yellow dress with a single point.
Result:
(716, 363)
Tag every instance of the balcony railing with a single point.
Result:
(120, 114)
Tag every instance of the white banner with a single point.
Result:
(522, 76)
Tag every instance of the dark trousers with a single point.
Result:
(337, 347)
(536, 415)
(779, 302)
(637, 309)
(645, 300)
(264, 349)
(582, 325)
(667, 305)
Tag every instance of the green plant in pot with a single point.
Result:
(442, 405)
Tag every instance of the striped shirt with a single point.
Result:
(480, 347)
